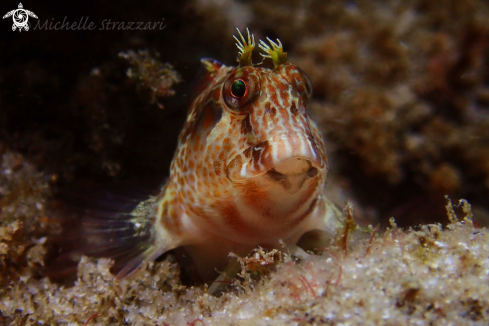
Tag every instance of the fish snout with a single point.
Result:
(286, 160)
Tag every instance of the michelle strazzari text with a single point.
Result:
(106, 25)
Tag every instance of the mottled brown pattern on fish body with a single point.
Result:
(269, 112)
(250, 163)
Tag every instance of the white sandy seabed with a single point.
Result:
(401, 278)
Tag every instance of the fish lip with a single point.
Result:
(263, 157)
(294, 181)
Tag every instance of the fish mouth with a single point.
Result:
(291, 167)
(288, 161)
(292, 174)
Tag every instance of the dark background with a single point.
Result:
(78, 125)
(67, 105)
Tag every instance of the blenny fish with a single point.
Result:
(248, 171)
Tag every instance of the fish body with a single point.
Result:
(249, 168)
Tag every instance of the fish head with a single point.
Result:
(251, 163)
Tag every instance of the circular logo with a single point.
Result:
(20, 17)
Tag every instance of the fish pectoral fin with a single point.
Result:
(315, 239)
(325, 223)
(133, 266)
(119, 229)
(225, 278)
(297, 251)
(149, 241)
(333, 218)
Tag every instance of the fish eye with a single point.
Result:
(239, 89)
